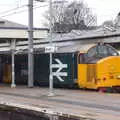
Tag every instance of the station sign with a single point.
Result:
(50, 49)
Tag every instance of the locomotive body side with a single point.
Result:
(87, 76)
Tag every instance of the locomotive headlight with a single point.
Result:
(118, 77)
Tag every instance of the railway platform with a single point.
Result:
(88, 105)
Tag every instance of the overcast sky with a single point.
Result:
(104, 9)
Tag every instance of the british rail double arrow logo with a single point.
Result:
(58, 73)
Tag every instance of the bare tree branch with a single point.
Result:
(74, 15)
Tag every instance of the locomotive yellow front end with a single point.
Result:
(108, 73)
(99, 68)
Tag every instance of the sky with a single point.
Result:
(12, 10)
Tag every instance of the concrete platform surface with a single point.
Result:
(94, 105)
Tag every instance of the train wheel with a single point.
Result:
(106, 89)
(76, 86)
(101, 90)
(115, 91)
(109, 90)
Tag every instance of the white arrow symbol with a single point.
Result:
(60, 66)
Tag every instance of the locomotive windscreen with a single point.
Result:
(98, 52)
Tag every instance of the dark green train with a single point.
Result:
(41, 69)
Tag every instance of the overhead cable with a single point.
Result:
(18, 12)
(7, 11)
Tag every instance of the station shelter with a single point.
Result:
(17, 34)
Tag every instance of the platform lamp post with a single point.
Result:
(51, 57)
(50, 41)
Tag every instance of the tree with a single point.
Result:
(117, 20)
(67, 16)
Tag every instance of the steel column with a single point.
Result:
(30, 44)
(13, 42)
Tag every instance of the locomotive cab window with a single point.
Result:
(82, 58)
(96, 53)
(92, 52)
(112, 51)
(100, 51)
